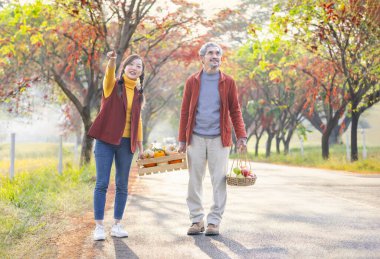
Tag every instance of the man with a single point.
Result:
(209, 104)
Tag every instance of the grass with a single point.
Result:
(39, 202)
(35, 201)
(313, 158)
(32, 156)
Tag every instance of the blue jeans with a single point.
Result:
(104, 155)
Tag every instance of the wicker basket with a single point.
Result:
(246, 181)
(240, 181)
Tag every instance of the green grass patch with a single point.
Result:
(30, 203)
(33, 156)
(312, 157)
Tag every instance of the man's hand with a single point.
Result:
(241, 145)
(182, 147)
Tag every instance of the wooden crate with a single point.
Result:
(162, 164)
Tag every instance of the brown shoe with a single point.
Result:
(212, 230)
(196, 228)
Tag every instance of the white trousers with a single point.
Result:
(200, 152)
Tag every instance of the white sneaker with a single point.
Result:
(99, 233)
(118, 231)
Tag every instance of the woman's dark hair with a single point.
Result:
(120, 79)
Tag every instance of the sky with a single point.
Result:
(213, 6)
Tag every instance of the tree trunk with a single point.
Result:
(287, 141)
(325, 146)
(334, 137)
(331, 124)
(354, 136)
(286, 146)
(257, 147)
(87, 142)
(269, 144)
(258, 137)
(278, 142)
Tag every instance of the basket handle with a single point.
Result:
(241, 161)
(245, 161)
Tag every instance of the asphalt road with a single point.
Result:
(290, 212)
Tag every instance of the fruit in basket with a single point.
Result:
(237, 170)
(170, 150)
(245, 172)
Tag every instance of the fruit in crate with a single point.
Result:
(171, 149)
(148, 153)
(159, 152)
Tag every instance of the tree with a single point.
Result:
(347, 33)
(65, 43)
(276, 97)
(326, 100)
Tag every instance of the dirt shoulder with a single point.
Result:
(72, 242)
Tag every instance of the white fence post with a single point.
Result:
(364, 147)
(13, 149)
(60, 155)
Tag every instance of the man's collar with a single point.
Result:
(221, 74)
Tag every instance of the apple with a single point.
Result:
(237, 170)
(245, 172)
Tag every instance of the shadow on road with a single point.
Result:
(122, 250)
(204, 243)
(208, 247)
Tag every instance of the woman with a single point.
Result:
(118, 131)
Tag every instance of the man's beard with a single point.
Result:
(213, 65)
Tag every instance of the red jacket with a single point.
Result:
(109, 124)
(229, 109)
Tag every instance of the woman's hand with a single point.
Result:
(141, 150)
(111, 55)
(140, 155)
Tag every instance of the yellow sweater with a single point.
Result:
(108, 85)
